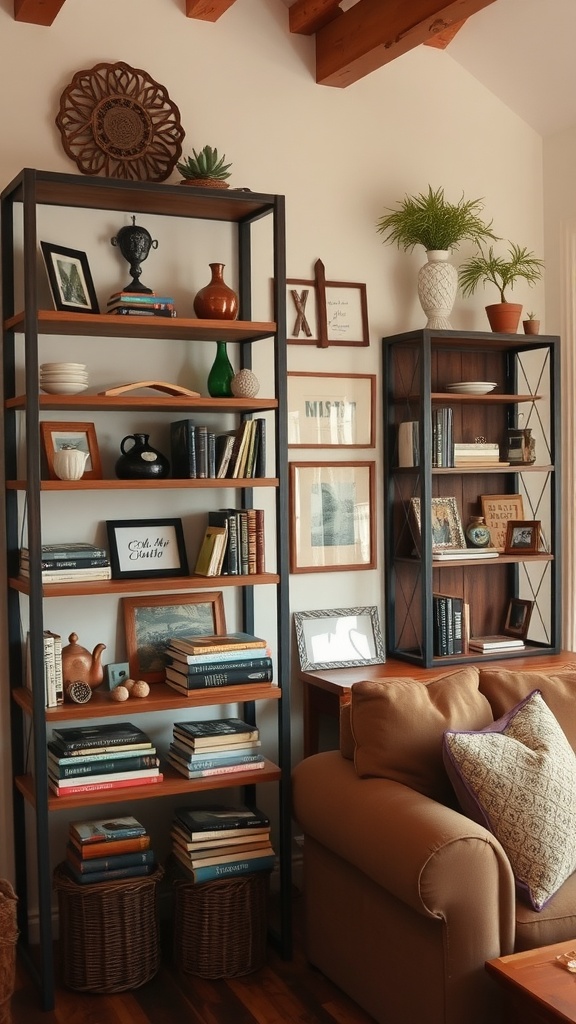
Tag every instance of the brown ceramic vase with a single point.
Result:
(216, 301)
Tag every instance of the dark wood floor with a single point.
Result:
(282, 992)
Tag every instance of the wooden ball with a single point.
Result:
(128, 683)
(120, 693)
(140, 689)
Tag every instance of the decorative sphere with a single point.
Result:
(128, 683)
(120, 693)
(140, 689)
(245, 384)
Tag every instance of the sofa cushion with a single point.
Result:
(398, 726)
(517, 777)
(505, 688)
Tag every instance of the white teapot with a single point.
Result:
(70, 463)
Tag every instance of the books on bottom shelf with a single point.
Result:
(496, 642)
(450, 625)
(103, 850)
(221, 852)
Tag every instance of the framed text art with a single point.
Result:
(142, 548)
(331, 410)
(498, 510)
(57, 437)
(70, 279)
(151, 622)
(332, 517)
(324, 313)
(339, 638)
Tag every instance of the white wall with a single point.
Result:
(247, 86)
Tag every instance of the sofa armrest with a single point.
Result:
(427, 855)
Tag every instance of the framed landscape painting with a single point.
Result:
(151, 622)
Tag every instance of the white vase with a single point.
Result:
(69, 463)
(437, 287)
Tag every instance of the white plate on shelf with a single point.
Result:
(472, 387)
(62, 388)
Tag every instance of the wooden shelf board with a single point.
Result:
(161, 698)
(146, 584)
(106, 325)
(148, 402)
(491, 399)
(512, 468)
(135, 485)
(173, 784)
(484, 562)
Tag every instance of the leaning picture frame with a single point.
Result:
(498, 510)
(518, 618)
(339, 638)
(445, 523)
(150, 622)
(523, 537)
(332, 516)
(56, 437)
(146, 548)
(331, 410)
(70, 279)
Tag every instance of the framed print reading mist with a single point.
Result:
(331, 410)
(332, 518)
(141, 548)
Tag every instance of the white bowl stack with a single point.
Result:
(63, 378)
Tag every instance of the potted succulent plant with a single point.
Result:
(531, 325)
(503, 272)
(206, 169)
(428, 219)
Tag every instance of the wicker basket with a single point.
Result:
(220, 927)
(109, 938)
(8, 938)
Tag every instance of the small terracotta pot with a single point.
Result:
(531, 326)
(504, 317)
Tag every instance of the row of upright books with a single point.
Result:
(233, 543)
(221, 842)
(76, 562)
(446, 453)
(87, 759)
(140, 304)
(199, 453)
(204, 662)
(451, 631)
(225, 746)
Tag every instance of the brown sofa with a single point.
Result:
(405, 897)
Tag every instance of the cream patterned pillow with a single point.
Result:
(518, 778)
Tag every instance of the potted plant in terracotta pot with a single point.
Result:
(206, 169)
(503, 272)
(428, 219)
(531, 325)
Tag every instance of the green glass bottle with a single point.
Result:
(221, 374)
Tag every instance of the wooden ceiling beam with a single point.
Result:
(207, 10)
(441, 39)
(375, 32)
(37, 12)
(308, 16)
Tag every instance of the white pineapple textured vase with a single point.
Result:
(437, 287)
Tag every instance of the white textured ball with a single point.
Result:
(128, 683)
(120, 693)
(245, 384)
(140, 689)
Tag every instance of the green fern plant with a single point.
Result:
(428, 219)
(205, 164)
(487, 268)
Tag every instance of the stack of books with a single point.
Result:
(477, 454)
(233, 543)
(222, 746)
(69, 563)
(220, 842)
(140, 304)
(450, 625)
(199, 453)
(108, 849)
(201, 662)
(85, 759)
(496, 643)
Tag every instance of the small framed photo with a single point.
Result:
(522, 536)
(498, 510)
(331, 410)
(518, 618)
(70, 279)
(146, 548)
(151, 622)
(332, 521)
(339, 638)
(82, 436)
(447, 531)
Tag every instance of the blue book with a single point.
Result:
(136, 871)
(183, 449)
(242, 866)
(118, 860)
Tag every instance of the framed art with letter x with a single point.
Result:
(325, 313)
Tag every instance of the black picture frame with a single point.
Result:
(70, 279)
(156, 545)
(518, 618)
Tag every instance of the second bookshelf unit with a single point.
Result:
(419, 366)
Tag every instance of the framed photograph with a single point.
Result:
(332, 521)
(518, 618)
(146, 548)
(70, 279)
(331, 410)
(81, 436)
(522, 536)
(151, 622)
(498, 510)
(447, 531)
(343, 314)
(339, 638)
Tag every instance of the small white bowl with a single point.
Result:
(63, 388)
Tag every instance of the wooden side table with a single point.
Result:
(326, 691)
(538, 989)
